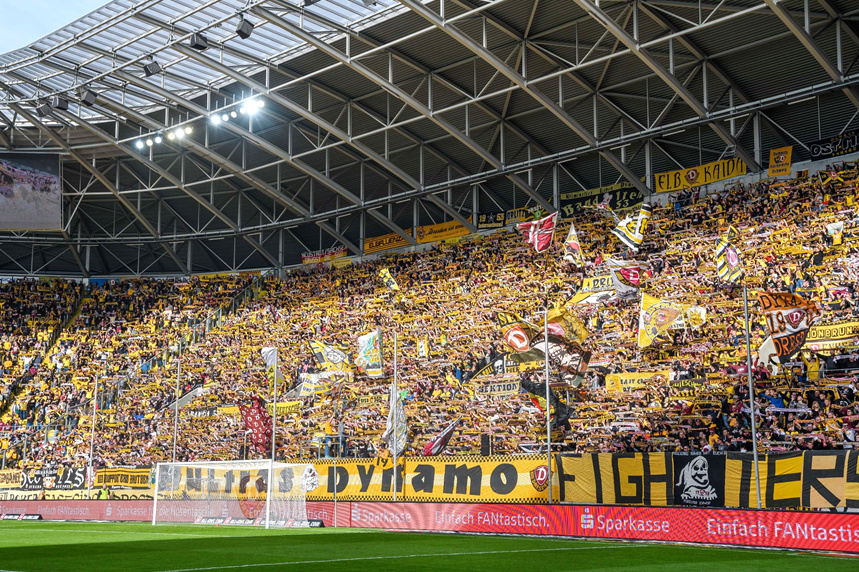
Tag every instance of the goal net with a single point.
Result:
(250, 493)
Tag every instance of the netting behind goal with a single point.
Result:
(237, 493)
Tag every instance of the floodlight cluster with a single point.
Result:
(249, 107)
(158, 138)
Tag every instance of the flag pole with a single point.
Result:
(92, 438)
(392, 440)
(176, 409)
(548, 402)
(274, 410)
(752, 396)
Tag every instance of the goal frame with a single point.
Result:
(270, 464)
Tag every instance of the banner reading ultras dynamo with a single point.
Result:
(809, 479)
(507, 479)
(702, 175)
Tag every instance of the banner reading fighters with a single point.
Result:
(702, 175)
(616, 478)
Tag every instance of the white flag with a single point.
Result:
(398, 443)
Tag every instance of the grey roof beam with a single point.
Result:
(166, 175)
(443, 205)
(301, 112)
(605, 20)
(57, 139)
(391, 225)
(523, 84)
(404, 96)
(263, 144)
(808, 42)
(345, 241)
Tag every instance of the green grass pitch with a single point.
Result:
(93, 547)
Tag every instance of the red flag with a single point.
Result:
(257, 420)
(437, 445)
(540, 233)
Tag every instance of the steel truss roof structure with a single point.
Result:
(383, 116)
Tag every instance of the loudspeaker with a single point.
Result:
(43, 110)
(244, 29)
(151, 69)
(88, 97)
(60, 103)
(485, 445)
(198, 42)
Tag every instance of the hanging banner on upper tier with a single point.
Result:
(702, 175)
(842, 144)
(780, 161)
(486, 221)
(326, 255)
(426, 233)
(618, 197)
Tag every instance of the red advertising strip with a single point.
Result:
(133, 510)
(792, 530)
(795, 530)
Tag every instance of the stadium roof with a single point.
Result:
(382, 116)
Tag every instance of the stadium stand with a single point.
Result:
(696, 398)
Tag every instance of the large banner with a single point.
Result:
(55, 478)
(780, 161)
(30, 192)
(426, 233)
(702, 175)
(842, 144)
(506, 479)
(124, 478)
(327, 255)
(828, 336)
(799, 479)
(618, 197)
(626, 382)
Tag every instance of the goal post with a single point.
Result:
(250, 493)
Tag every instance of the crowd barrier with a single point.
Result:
(809, 479)
(828, 531)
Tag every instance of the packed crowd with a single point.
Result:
(122, 331)
(444, 321)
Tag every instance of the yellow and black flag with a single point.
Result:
(388, 280)
(333, 357)
(729, 267)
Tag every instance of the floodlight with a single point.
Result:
(244, 29)
(151, 69)
(198, 42)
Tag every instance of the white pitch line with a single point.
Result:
(357, 559)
